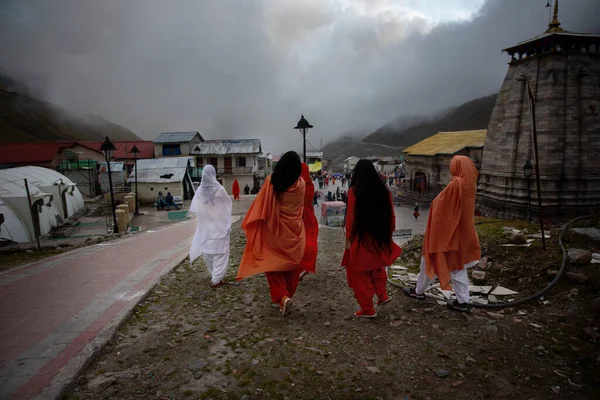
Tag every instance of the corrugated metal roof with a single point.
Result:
(162, 170)
(165, 162)
(314, 154)
(223, 147)
(176, 137)
(448, 143)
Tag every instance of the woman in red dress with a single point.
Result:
(370, 223)
(311, 225)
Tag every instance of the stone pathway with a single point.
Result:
(55, 313)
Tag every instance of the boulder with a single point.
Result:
(579, 256)
(518, 238)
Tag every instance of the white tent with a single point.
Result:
(54, 198)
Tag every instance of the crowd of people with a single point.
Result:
(282, 230)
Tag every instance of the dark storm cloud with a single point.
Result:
(239, 68)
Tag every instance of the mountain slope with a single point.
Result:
(25, 119)
(474, 114)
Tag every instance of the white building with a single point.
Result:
(233, 159)
(168, 174)
(176, 144)
(52, 199)
(350, 163)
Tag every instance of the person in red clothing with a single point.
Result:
(235, 190)
(370, 223)
(311, 225)
(275, 232)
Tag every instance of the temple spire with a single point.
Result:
(554, 25)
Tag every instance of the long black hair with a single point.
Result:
(286, 173)
(373, 209)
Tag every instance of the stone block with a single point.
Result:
(122, 219)
(130, 201)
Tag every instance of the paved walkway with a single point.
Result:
(55, 313)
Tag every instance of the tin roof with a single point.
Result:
(314, 154)
(447, 143)
(176, 137)
(223, 147)
(162, 170)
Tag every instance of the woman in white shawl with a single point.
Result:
(212, 206)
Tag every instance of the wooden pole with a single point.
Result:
(34, 220)
(537, 161)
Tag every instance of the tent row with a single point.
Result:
(52, 199)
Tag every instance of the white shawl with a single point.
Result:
(212, 206)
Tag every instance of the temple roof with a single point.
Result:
(447, 143)
(554, 39)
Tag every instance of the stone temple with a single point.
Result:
(563, 72)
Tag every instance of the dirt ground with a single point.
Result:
(187, 341)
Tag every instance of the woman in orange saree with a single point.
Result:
(275, 232)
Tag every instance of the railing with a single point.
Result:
(234, 171)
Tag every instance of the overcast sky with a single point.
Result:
(248, 68)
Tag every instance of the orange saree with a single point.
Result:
(451, 240)
(274, 230)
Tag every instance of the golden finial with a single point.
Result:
(554, 25)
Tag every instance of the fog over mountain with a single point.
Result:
(239, 68)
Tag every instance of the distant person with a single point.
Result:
(311, 226)
(451, 244)
(370, 223)
(212, 206)
(169, 202)
(235, 190)
(326, 181)
(316, 199)
(160, 201)
(275, 233)
(338, 195)
(416, 211)
(247, 190)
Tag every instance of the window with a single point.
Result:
(213, 161)
(171, 150)
(240, 161)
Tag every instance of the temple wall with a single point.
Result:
(567, 91)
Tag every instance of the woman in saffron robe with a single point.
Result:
(370, 223)
(212, 206)
(451, 244)
(311, 225)
(235, 190)
(275, 232)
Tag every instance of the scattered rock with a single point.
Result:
(576, 277)
(461, 366)
(592, 333)
(29, 251)
(469, 359)
(373, 370)
(456, 383)
(596, 304)
(478, 275)
(327, 323)
(491, 328)
(197, 365)
(492, 299)
(255, 362)
(579, 256)
(170, 371)
(124, 375)
(396, 323)
(320, 372)
(442, 373)
(592, 233)
(101, 380)
(483, 263)
(496, 315)
(518, 238)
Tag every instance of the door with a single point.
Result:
(228, 165)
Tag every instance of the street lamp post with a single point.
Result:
(107, 148)
(303, 126)
(527, 171)
(135, 152)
